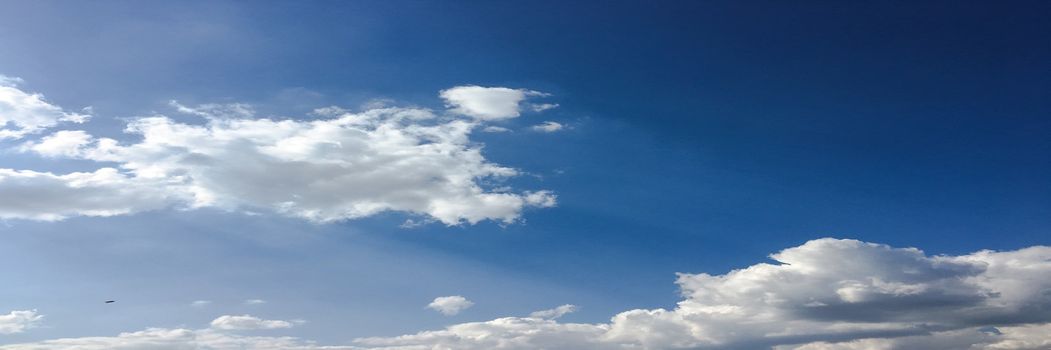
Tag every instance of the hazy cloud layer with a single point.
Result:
(340, 166)
(825, 294)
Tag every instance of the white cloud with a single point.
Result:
(343, 166)
(19, 321)
(255, 302)
(23, 113)
(247, 322)
(200, 303)
(554, 313)
(826, 291)
(487, 103)
(824, 294)
(548, 126)
(450, 305)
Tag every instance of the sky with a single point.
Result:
(525, 175)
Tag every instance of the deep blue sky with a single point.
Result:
(705, 136)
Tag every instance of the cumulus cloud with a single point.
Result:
(450, 305)
(488, 103)
(548, 126)
(342, 166)
(19, 321)
(824, 294)
(247, 322)
(23, 113)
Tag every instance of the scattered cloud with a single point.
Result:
(200, 303)
(255, 302)
(825, 294)
(342, 166)
(548, 126)
(23, 113)
(487, 103)
(247, 322)
(450, 305)
(19, 321)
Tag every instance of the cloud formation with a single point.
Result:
(490, 103)
(827, 294)
(23, 113)
(450, 305)
(340, 166)
(247, 322)
(19, 321)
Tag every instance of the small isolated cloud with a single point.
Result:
(540, 107)
(23, 113)
(216, 110)
(255, 302)
(493, 128)
(340, 166)
(548, 126)
(19, 321)
(247, 322)
(200, 303)
(450, 305)
(487, 103)
(554, 313)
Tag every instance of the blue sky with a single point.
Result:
(696, 137)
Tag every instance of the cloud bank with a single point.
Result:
(824, 294)
(337, 166)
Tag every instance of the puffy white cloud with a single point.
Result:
(19, 321)
(66, 143)
(488, 103)
(548, 126)
(23, 113)
(247, 322)
(450, 305)
(343, 166)
(824, 294)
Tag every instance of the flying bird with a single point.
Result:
(110, 301)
